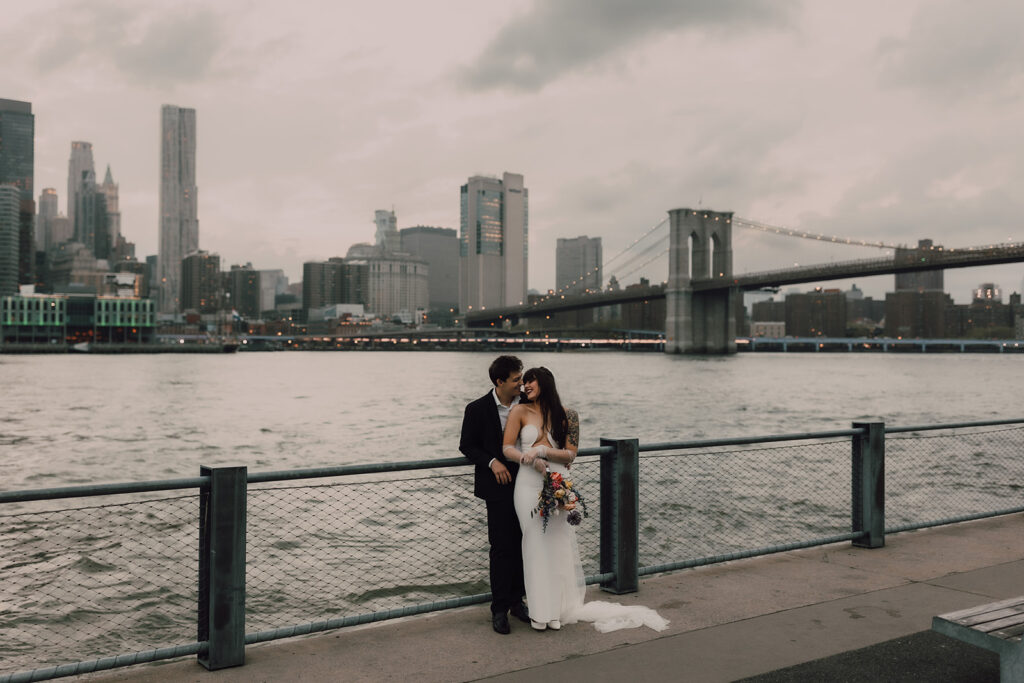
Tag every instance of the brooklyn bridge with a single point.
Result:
(702, 289)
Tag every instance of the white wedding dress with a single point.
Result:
(552, 571)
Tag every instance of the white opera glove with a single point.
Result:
(512, 453)
(541, 465)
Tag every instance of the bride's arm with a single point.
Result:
(512, 427)
(565, 456)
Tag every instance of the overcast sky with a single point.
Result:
(890, 121)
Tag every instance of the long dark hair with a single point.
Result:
(550, 404)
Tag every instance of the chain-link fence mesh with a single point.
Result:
(713, 502)
(937, 475)
(89, 582)
(352, 547)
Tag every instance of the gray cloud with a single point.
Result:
(169, 46)
(958, 49)
(173, 49)
(561, 36)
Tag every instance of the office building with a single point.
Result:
(493, 234)
(179, 219)
(17, 168)
(395, 284)
(439, 248)
(80, 163)
(91, 223)
(47, 212)
(200, 282)
(10, 202)
(578, 265)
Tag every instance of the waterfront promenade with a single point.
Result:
(796, 616)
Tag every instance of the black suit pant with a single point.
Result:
(506, 555)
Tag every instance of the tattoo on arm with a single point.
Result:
(573, 436)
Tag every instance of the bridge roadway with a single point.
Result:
(904, 261)
(833, 613)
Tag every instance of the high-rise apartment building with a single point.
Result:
(243, 284)
(578, 264)
(80, 164)
(17, 168)
(439, 247)
(179, 218)
(334, 281)
(494, 227)
(200, 282)
(10, 203)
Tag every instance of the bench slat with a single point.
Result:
(1012, 633)
(1017, 620)
(995, 615)
(1012, 603)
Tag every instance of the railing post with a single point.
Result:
(620, 520)
(868, 505)
(222, 509)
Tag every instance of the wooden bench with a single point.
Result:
(996, 626)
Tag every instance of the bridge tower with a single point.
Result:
(699, 321)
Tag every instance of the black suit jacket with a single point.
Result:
(480, 442)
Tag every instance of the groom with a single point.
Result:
(494, 480)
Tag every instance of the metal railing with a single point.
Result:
(300, 551)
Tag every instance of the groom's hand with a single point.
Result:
(501, 472)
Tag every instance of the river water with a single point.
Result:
(85, 419)
(97, 578)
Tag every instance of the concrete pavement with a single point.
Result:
(813, 610)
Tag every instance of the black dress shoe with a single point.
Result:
(521, 613)
(500, 623)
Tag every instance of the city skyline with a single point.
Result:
(894, 123)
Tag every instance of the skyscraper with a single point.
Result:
(493, 221)
(179, 220)
(80, 163)
(578, 264)
(10, 201)
(92, 222)
(110, 190)
(17, 167)
(44, 219)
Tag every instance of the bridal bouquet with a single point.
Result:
(558, 493)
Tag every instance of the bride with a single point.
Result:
(543, 437)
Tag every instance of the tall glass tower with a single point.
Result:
(80, 166)
(494, 225)
(179, 221)
(17, 167)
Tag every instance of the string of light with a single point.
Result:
(790, 232)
